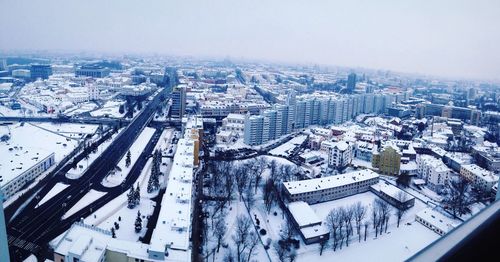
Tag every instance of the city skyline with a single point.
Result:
(448, 39)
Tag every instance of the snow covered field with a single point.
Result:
(69, 128)
(115, 178)
(86, 200)
(398, 244)
(80, 108)
(54, 191)
(27, 145)
(110, 109)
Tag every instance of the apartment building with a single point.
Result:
(481, 178)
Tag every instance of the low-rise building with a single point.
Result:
(82, 242)
(234, 122)
(364, 150)
(435, 221)
(19, 167)
(393, 195)
(310, 227)
(330, 188)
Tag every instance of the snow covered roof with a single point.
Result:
(236, 116)
(411, 165)
(303, 214)
(341, 145)
(311, 185)
(436, 219)
(27, 146)
(481, 172)
(75, 238)
(174, 222)
(391, 191)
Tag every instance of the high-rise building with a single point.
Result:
(40, 71)
(170, 77)
(254, 127)
(291, 103)
(351, 83)
(178, 102)
(282, 120)
(271, 119)
(3, 64)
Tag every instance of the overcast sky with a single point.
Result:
(449, 37)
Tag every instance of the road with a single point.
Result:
(33, 228)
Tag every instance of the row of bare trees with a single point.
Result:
(244, 179)
(344, 222)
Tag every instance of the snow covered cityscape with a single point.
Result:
(139, 156)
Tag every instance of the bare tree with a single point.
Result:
(240, 238)
(292, 255)
(229, 185)
(335, 221)
(322, 244)
(253, 240)
(375, 218)
(229, 257)
(366, 228)
(273, 170)
(359, 215)
(260, 167)
(281, 250)
(249, 198)
(220, 230)
(241, 177)
(401, 197)
(458, 196)
(348, 216)
(384, 212)
(268, 194)
(287, 231)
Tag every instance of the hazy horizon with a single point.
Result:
(442, 38)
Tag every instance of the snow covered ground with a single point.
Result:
(69, 128)
(287, 148)
(82, 166)
(89, 198)
(110, 109)
(80, 108)
(54, 191)
(106, 216)
(116, 178)
(398, 244)
(233, 210)
(27, 145)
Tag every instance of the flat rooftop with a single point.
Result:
(391, 191)
(303, 213)
(437, 219)
(311, 185)
(27, 146)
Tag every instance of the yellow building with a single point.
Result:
(388, 161)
